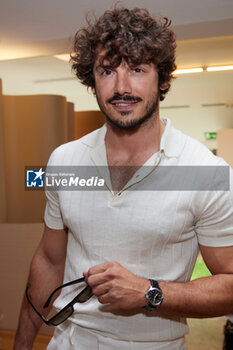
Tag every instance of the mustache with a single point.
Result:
(118, 97)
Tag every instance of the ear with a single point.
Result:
(93, 91)
(164, 86)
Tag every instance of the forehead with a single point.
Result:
(103, 61)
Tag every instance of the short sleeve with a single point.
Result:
(214, 226)
(52, 215)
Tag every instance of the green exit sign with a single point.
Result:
(210, 135)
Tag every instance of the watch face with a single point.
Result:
(154, 296)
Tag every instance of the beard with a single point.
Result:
(150, 111)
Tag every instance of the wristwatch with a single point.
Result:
(154, 296)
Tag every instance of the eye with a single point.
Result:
(107, 72)
(138, 70)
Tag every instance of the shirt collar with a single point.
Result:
(171, 144)
(96, 138)
(172, 140)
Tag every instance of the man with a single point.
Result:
(136, 249)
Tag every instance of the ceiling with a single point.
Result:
(33, 31)
(36, 27)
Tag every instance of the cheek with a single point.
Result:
(143, 87)
(104, 90)
(147, 89)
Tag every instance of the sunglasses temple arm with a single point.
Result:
(79, 280)
(34, 308)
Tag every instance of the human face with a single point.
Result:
(128, 96)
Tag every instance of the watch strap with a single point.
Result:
(154, 285)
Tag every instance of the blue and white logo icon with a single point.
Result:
(35, 178)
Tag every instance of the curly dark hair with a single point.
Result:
(132, 35)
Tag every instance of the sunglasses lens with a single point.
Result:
(61, 316)
(68, 310)
(85, 294)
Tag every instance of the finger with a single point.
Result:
(95, 270)
(92, 271)
(111, 297)
(103, 299)
(100, 290)
(101, 267)
(85, 275)
(89, 277)
(97, 279)
(104, 288)
(93, 279)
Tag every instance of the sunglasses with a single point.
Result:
(68, 310)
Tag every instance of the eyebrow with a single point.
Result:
(103, 66)
(109, 66)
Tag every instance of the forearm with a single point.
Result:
(210, 296)
(204, 297)
(28, 328)
(44, 277)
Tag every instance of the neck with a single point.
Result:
(133, 147)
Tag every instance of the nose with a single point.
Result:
(122, 83)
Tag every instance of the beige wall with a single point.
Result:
(196, 119)
(225, 145)
(2, 165)
(86, 122)
(32, 127)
